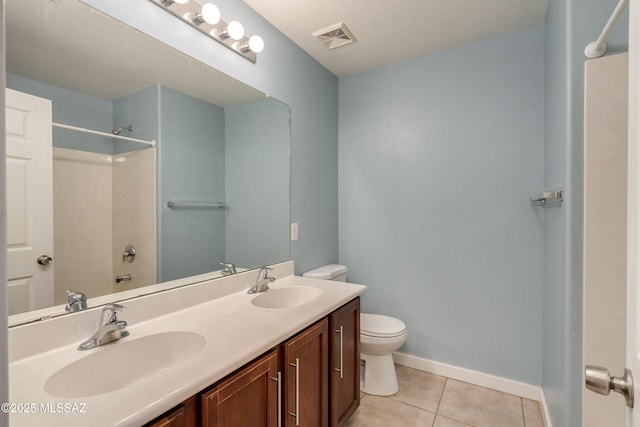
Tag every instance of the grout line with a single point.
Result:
(444, 387)
(457, 421)
(409, 404)
(524, 420)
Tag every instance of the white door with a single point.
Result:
(29, 202)
(633, 220)
(606, 102)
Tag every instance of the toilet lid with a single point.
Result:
(377, 325)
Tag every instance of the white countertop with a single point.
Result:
(236, 332)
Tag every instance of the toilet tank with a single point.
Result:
(335, 272)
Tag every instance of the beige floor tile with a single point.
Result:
(419, 388)
(375, 411)
(448, 422)
(532, 413)
(480, 406)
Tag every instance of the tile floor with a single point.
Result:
(430, 400)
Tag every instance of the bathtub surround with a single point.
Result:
(79, 176)
(109, 190)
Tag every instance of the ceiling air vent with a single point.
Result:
(335, 36)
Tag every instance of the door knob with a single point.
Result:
(44, 260)
(599, 379)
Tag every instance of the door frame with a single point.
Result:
(633, 230)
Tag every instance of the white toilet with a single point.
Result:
(379, 337)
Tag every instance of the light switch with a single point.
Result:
(294, 231)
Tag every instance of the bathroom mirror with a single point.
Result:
(126, 215)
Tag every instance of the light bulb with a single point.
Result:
(256, 44)
(210, 13)
(235, 30)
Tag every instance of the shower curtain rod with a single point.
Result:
(152, 143)
(597, 48)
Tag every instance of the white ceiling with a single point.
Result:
(390, 31)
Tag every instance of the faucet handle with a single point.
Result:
(228, 269)
(263, 274)
(76, 301)
(111, 311)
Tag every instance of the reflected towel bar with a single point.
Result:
(548, 197)
(190, 204)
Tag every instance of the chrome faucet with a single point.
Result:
(262, 281)
(110, 328)
(228, 269)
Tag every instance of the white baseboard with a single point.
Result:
(545, 409)
(504, 385)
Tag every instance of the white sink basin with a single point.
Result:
(286, 297)
(119, 364)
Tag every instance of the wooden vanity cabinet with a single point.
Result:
(344, 362)
(306, 377)
(248, 397)
(183, 415)
(312, 378)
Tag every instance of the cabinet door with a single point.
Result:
(184, 415)
(306, 376)
(247, 398)
(175, 418)
(344, 363)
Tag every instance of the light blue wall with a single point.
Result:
(191, 162)
(438, 159)
(571, 25)
(554, 348)
(141, 111)
(72, 108)
(257, 182)
(289, 74)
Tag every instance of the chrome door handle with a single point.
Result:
(340, 331)
(297, 413)
(44, 260)
(599, 379)
(278, 379)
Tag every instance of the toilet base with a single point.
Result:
(379, 375)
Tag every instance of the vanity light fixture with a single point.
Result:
(233, 30)
(255, 44)
(207, 20)
(209, 14)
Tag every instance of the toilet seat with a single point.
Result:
(377, 325)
